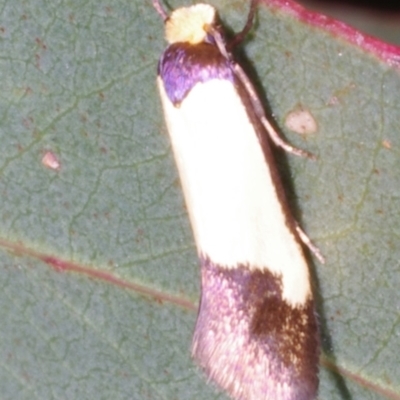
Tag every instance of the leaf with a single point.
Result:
(99, 281)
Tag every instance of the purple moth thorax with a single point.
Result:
(183, 65)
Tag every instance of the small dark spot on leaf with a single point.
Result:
(27, 122)
(40, 43)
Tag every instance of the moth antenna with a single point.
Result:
(249, 24)
(160, 9)
(241, 75)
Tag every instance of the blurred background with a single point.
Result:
(379, 18)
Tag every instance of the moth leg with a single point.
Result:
(307, 241)
(255, 101)
(259, 110)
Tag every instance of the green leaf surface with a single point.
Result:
(99, 278)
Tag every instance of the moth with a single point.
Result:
(256, 333)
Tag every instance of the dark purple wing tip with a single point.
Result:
(250, 341)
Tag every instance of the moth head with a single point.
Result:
(189, 24)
